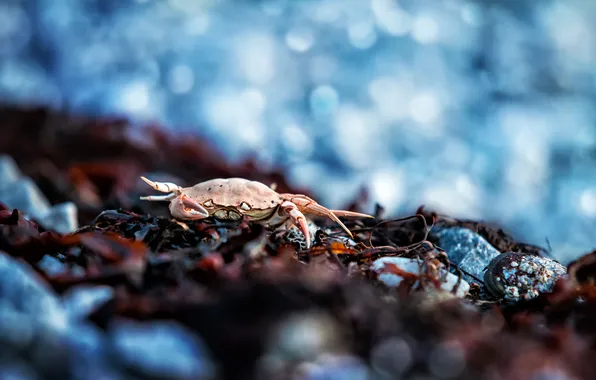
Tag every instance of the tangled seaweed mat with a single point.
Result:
(234, 285)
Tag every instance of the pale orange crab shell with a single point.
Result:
(251, 198)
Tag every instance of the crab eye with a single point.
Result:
(208, 203)
(245, 206)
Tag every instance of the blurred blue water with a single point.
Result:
(480, 109)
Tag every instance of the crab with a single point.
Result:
(231, 199)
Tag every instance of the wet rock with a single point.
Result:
(88, 356)
(294, 235)
(82, 300)
(31, 317)
(9, 171)
(21, 291)
(468, 250)
(391, 358)
(161, 350)
(23, 194)
(331, 367)
(413, 266)
(304, 336)
(61, 218)
(51, 265)
(517, 276)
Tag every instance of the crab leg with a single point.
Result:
(168, 197)
(306, 204)
(298, 218)
(164, 187)
(351, 214)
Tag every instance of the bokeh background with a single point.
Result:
(477, 109)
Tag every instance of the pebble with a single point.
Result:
(17, 191)
(335, 367)
(160, 350)
(413, 266)
(9, 171)
(25, 196)
(62, 218)
(32, 319)
(468, 250)
(305, 336)
(82, 300)
(89, 355)
(517, 276)
(294, 235)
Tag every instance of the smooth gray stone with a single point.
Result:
(82, 300)
(468, 250)
(62, 218)
(88, 354)
(9, 171)
(32, 319)
(161, 350)
(25, 196)
(51, 265)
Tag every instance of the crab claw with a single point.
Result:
(164, 187)
(185, 208)
(308, 205)
(290, 209)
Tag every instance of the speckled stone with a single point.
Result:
(517, 276)
(468, 250)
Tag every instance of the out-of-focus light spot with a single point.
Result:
(15, 29)
(324, 101)
(197, 25)
(391, 97)
(471, 14)
(297, 141)
(272, 7)
(135, 98)
(388, 188)
(362, 35)
(251, 135)
(390, 18)
(356, 136)
(254, 100)
(587, 202)
(325, 12)
(425, 30)
(425, 108)
(181, 79)
(300, 39)
(322, 68)
(256, 56)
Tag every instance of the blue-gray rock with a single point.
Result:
(89, 354)
(9, 171)
(51, 265)
(468, 250)
(61, 218)
(82, 300)
(160, 349)
(31, 316)
(341, 367)
(24, 195)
